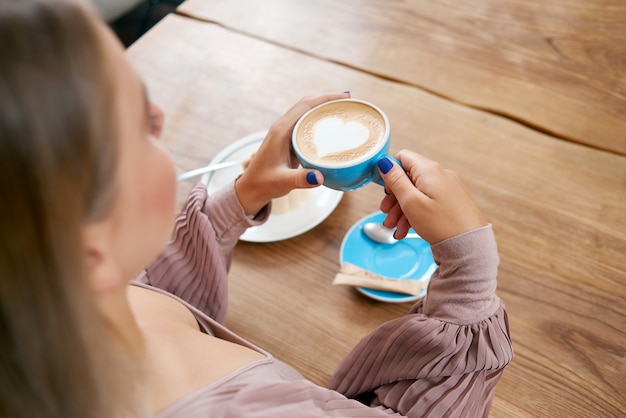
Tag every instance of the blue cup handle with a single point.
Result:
(376, 177)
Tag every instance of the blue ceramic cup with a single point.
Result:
(343, 139)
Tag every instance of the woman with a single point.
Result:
(88, 200)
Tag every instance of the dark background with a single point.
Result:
(134, 23)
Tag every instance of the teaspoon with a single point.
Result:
(379, 233)
(199, 171)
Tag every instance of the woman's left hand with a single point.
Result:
(273, 170)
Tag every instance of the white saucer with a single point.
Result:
(295, 214)
(410, 259)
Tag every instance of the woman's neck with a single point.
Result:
(122, 323)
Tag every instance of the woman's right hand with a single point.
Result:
(274, 170)
(426, 197)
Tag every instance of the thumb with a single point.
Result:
(396, 180)
(305, 178)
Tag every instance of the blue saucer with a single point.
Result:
(409, 259)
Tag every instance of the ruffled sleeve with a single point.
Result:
(445, 357)
(195, 263)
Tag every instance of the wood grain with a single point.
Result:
(558, 66)
(558, 210)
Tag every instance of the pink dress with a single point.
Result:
(443, 358)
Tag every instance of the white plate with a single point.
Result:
(292, 215)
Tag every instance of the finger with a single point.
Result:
(387, 203)
(402, 227)
(396, 219)
(393, 215)
(397, 182)
(306, 179)
(424, 173)
(412, 160)
(313, 101)
(310, 102)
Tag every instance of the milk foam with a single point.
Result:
(340, 132)
(334, 135)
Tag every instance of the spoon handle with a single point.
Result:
(411, 235)
(199, 171)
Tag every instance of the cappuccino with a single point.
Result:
(341, 133)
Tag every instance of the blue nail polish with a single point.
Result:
(311, 178)
(385, 164)
(347, 92)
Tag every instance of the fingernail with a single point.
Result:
(311, 178)
(347, 92)
(384, 164)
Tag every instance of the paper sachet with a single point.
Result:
(351, 275)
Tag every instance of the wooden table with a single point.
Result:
(538, 141)
(556, 66)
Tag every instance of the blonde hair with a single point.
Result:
(58, 155)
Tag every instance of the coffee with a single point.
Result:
(343, 139)
(341, 132)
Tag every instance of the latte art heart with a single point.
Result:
(340, 133)
(332, 135)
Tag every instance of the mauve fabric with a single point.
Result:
(442, 359)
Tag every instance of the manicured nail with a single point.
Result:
(311, 178)
(384, 164)
(347, 92)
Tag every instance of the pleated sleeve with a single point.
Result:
(195, 263)
(446, 355)
(443, 358)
